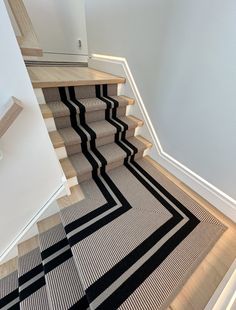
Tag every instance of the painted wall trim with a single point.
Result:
(222, 201)
(32, 221)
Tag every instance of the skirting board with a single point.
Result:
(225, 294)
(30, 228)
(119, 66)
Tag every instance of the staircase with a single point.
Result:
(129, 235)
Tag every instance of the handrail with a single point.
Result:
(10, 115)
(27, 41)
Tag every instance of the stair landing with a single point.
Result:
(43, 77)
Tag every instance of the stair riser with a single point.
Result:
(109, 167)
(76, 148)
(81, 92)
(93, 116)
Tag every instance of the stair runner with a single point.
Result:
(132, 241)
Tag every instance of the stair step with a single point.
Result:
(32, 284)
(9, 293)
(59, 109)
(104, 131)
(68, 168)
(95, 111)
(48, 223)
(66, 76)
(62, 278)
(145, 141)
(76, 196)
(113, 154)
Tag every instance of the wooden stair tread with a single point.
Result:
(76, 196)
(136, 120)
(43, 77)
(8, 267)
(48, 223)
(57, 139)
(68, 168)
(144, 141)
(46, 111)
(28, 245)
(130, 100)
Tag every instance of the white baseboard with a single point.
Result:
(225, 294)
(119, 66)
(30, 228)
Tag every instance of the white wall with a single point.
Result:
(182, 56)
(59, 24)
(29, 171)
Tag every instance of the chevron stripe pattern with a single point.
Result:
(132, 241)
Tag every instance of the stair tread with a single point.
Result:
(56, 138)
(59, 109)
(70, 76)
(111, 152)
(145, 141)
(60, 269)
(68, 136)
(68, 168)
(30, 272)
(8, 267)
(75, 196)
(9, 292)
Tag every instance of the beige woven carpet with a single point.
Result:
(136, 253)
(136, 237)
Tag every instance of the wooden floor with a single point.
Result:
(66, 76)
(198, 290)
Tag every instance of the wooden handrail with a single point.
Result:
(9, 116)
(27, 41)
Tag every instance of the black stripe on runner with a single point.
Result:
(15, 307)
(88, 217)
(87, 231)
(115, 121)
(139, 276)
(30, 274)
(85, 151)
(100, 223)
(9, 298)
(91, 292)
(32, 288)
(54, 248)
(82, 304)
(96, 288)
(55, 262)
(117, 270)
(87, 128)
